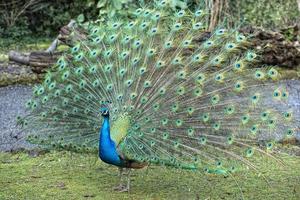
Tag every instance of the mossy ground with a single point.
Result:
(65, 175)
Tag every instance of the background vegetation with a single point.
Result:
(21, 18)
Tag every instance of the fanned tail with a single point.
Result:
(173, 101)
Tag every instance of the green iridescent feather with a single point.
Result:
(173, 100)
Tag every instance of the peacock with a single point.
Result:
(155, 89)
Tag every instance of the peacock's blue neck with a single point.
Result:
(107, 147)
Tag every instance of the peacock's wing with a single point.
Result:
(175, 99)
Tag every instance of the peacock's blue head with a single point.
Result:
(104, 111)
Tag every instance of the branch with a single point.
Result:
(24, 8)
(56, 42)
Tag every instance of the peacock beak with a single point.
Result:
(104, 112)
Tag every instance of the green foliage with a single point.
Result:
(18, 30)
(291, 33)
(112, 7)
(58, 13)
(266, 13)
(46, 17)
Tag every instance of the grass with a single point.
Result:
(65, 175)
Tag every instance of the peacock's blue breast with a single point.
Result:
(108, 153)
(107, 147)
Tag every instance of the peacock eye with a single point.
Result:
(198, 13)
(139, 10)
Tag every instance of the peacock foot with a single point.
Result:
(124, 189)
(118, 187)
(121, 188)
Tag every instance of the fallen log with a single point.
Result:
(40, 61)
(18, 57)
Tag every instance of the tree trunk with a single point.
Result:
(217, 9)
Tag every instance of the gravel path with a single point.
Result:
(13, 98)
(12, 101)
(293, 86)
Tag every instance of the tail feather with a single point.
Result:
(189, 105)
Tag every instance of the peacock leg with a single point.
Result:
(120, 186)
(127, 187)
